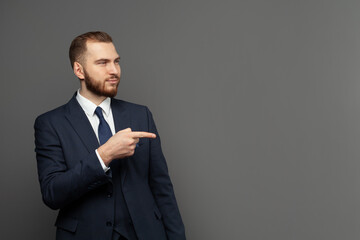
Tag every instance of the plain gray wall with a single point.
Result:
(257, 103)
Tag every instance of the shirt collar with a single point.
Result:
(89, 107)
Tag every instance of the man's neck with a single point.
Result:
(96, 99)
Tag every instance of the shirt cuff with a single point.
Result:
(102, 162)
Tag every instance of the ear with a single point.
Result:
(78, 70)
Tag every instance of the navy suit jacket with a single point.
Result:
(72, 179)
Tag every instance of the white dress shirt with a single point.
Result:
(89, 109)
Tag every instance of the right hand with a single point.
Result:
(122, 144)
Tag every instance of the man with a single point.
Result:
(99, 159)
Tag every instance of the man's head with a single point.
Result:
(95, 62)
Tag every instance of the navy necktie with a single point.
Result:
(104, 129)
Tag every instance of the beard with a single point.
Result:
(99, 88)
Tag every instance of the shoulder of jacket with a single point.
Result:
(54, 113)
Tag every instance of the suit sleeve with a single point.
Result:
(162, 188)
(59, 184)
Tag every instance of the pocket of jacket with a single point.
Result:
(68, 224)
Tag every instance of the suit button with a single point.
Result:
(109, 195)
(108, 223)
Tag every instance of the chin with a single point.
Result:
(110, 93)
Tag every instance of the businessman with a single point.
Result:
(100, 160)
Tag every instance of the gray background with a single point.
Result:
(257, 103)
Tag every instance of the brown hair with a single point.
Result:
(78, 45)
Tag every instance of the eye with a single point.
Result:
(102, 62)
(117, 61)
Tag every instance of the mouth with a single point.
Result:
(112, 80)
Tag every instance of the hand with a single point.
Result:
(121, 145)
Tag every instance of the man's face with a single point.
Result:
(101, 69)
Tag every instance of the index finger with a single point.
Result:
(142, 135)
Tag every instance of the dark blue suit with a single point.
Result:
(72, 179)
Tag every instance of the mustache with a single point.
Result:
(113, 76)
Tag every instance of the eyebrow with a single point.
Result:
(106, 60)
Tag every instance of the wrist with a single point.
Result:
(104, 155)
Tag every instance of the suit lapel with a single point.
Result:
(121, 117)
(80, 123)
(121, 121)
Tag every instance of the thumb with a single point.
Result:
(126, 130)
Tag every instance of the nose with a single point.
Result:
(114, 68)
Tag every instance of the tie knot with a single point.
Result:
(98, 112)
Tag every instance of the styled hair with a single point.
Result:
(78, 45)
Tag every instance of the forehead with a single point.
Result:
(100, 50)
